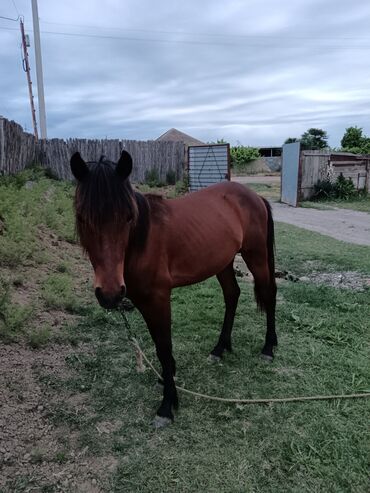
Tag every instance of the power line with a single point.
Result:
(190, 42)
(217, 35)
(16, 8)
(9, 18)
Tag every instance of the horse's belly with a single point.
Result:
(201, 263)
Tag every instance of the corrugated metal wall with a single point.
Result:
(208, 164)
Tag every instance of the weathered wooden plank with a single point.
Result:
(18, 149)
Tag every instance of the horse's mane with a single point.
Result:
(104, 198)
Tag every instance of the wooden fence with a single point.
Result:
(319, 165)
(19, 149)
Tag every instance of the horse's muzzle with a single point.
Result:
(109, 301)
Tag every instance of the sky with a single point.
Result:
(251, 72)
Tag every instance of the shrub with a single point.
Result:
(343, 188)
(242, 155)
(152, 178)
(170, 177)
(182, 186)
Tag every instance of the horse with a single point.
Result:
(141, 246)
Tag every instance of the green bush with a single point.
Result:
(182, 186)
(152, 178)
(343, 188)
(242, 155)
(170, 177)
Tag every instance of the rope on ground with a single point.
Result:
(249, 401)
(140, 354)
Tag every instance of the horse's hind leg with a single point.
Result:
(231, 292)
(265, 292)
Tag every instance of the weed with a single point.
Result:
(37, 456)
(62, 268)
(38, 338)
(18, 281)
(171, 177)
(13, 317)
(180, 188)
(57, 291)
(152, 178)
(61, 457)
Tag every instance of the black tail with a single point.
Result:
(270, 242)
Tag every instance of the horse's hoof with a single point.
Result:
(161, 422)
(267, 357)
(212, 358)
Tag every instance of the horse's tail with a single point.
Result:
(270, 243)
(265, 293)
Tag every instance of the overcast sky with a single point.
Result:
(249, 71)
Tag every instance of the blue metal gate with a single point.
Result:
(290, 173)
(208, 164)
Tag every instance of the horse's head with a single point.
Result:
(105, 209)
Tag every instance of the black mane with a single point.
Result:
(103, 198)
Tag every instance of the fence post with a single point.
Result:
(2, 146)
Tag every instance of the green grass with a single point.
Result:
(58, 293)
(317, 446)
(270, 191)
(323, 349)
(40, 337)
(13, 316)
(24, 209)
(362, 203)
(321, 206)
(301, 251)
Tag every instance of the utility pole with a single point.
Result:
(26, 68)
(40, 79)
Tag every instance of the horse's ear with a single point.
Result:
(78, 167)
(124, 165)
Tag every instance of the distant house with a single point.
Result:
(270, 151)
(174, 135)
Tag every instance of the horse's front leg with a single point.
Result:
(157, 314)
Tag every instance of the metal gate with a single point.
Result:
(290, 173)
(208, 164)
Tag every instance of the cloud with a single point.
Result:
(254, 73)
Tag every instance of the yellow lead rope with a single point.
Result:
(140, 352)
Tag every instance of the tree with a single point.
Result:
(290, 140)
(355, 141)
(314, 138)
(242, 155)
(352, 137)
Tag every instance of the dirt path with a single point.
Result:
(341, 224)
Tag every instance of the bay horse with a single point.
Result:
(142, 246)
